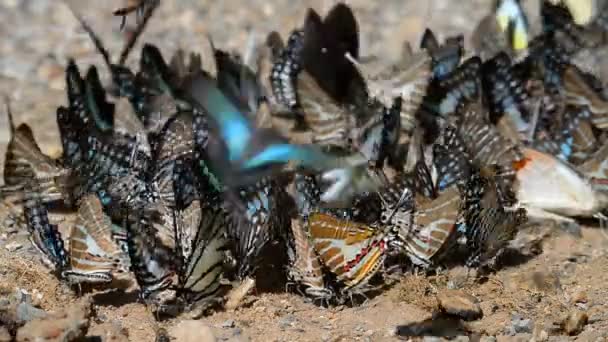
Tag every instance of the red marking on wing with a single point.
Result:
(351, 264)
(520, 164)
(602, 181)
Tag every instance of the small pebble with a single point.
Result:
(287, 321)
(229, 323)
(575, 322)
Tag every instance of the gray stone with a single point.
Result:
(229, 323)
(26, 312)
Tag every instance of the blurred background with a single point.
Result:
(38, 37)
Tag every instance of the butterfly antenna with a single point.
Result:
(9, 113)
(147, 14)
(92, 35)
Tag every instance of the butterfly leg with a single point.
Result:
(542, 215)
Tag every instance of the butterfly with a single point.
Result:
(428, 223)
(154, 264)
(325, 45)
(581, 11)
(505, 29)
(94, 253)
(461, 85)
(407, 81)
(245, 154)
(285, 69)
(45, 236)
(25, 162)
(513, 21)
(351, 251)
(255, 218)
(486, 146)
(489, 226)
(445, 57)
(548, 187)
(504, 90)
(595, 166)
(562, 142)
(202, 242)
(305, 267)
(579, 92)
(584, 142)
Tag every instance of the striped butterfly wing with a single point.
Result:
(489, 231)
(203, 244)
(596, 166)
(175, 139)
(253, 221)
(44, 235)
(584, 142)
(353, 252)
(305, 266)
(579, 92)
(487, 147)
(408, 82)
(152, 263)
(330, 123)
(25, 161)
(94, 255)
(434, 224)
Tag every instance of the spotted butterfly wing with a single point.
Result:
(44, 235)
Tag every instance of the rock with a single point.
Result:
(575, 322)
(287, 321)
(4, 335)
(523, 326)
(69, 324)
(488, 339)
(191, 331)
(459, 303)
(229, 323)
(26, 312)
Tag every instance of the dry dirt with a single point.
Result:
(568, 275)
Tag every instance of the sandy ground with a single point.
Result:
(557, 274)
